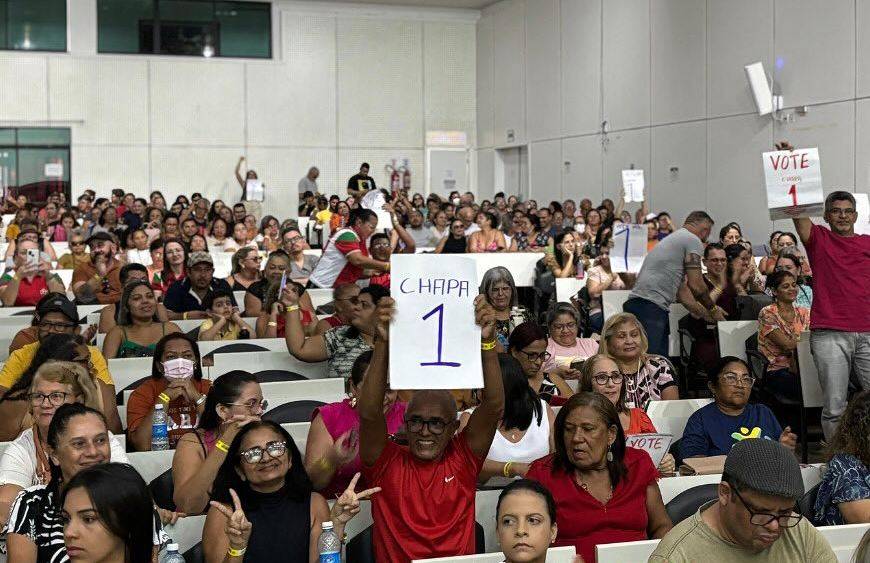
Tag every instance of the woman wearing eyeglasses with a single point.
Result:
(332, 449)
(528, 344)
(264, 508)
(234, 400)
(25, 460)
(601, 375)
(564, 346)
(730, 418)
(455, 241)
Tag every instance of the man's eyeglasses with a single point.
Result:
(352, 300)
(252, 405)
(384, 244)
(733, 379)
(294, 240)
(57, 327)
(275, 450)
(603, 378)
(765, 518)
(55, 398)
(415, 424)
(541, 356)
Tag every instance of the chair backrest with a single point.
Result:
(757, 361)
(121, 396)
(625, 551)
(807, 503)
(733, 335)
(268, 375)
(295, 411)
(670, 417)
(261, 361)
(359, 549)
(234, 348)
(564, 554)
(687, 503)
(749, 306)
(195, 554)
(811, 389)
(162, 490)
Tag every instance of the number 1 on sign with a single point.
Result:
(440, 310)
(792, 191)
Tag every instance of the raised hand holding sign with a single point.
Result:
(794, 183)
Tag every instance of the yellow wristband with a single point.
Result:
(292, 308)
(222, 446)
(487, 346)
(236, 552)
(506, 470)
(163, 397)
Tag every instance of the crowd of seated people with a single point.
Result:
(564, 382)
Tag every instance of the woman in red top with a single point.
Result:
(29, 283)
(601, 375)
(606, 492)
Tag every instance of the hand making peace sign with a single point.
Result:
(347, 505)
(238, 527)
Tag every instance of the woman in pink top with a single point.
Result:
(563, 344)
(332, 449)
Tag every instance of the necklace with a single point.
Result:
(609, 496)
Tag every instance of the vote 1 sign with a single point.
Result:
(434, 341)
(656, 445)
(794, 183)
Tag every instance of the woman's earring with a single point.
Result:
(609, 453)
(353, 401)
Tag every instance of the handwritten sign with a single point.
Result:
(434, 341)
(375, 201)
(53, 170)
(862, 205)
(633, 184)
(629, 248)
(794, 183)
(656, 445)
(255, 190)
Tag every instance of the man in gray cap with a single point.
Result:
(184, 298)
(754, 518)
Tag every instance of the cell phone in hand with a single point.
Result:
(283, 284)
(33, 257)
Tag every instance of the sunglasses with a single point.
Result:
(253, 455)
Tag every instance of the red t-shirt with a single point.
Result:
(334, 321)
(841, 280)
(31, 291)
(426, 509)
(583, 521)
(382, 279)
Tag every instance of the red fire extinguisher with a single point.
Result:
(395, 179)
(406, 175)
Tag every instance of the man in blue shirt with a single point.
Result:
(184, 298)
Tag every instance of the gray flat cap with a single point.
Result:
(765, 466)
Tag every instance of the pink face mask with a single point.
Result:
(179, 368)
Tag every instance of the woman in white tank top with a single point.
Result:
(526, 429)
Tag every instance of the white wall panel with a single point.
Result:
(485, 173)
(208, 170)
(582, 176)
(816, 44)
(449, 85)
(294, 103)
(683, 146)
(509, 105)
(626, 63)
(485, 136)
(380, 83)
(624, 149)
(197, 102)
(282, 168)
(862, 23)
(106, 167)
(581, 66)
(24, 96)
(862, 146)
(109, 96)
(543, 70)
(678, 61)
(545, 170)
(831, 128)
(739, 32)
(735, 178)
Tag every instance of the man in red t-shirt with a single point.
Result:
(840, 314)
(426, 506)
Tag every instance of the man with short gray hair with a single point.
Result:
(753, 518)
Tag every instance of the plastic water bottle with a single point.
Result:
(329, 545)
(159, 429)
(172, 555)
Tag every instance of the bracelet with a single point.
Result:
(272, 323)
(201, 399)
(184, 316)
(291, 308)
(232, 552)
(164, 398)
(222, 446)
(487, 346)
(506, 470)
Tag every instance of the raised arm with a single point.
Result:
(398, 229)
(312, 349)
(373, 425)
(484, 420)
(239, 178)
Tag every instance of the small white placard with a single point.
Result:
(255, 190)
(629, 248)
(375, 201)
(794, 183)
(862, 205)
(53, 170)
(656, 445)
(633, 184)
(434, 341)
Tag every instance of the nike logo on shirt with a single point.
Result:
(448, 479)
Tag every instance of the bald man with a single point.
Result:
(426, 506)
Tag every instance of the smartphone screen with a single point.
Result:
(33, 257)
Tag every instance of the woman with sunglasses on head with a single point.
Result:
(246, 269)
(332, 450)
(730, 418)
(455, 241)
(601, 375)
(24, 462)
(528, 345)
(234, 400)
(78, 252)
(176, 382)
(264, 509)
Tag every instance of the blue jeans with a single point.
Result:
(655, 322)
(836, 354)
